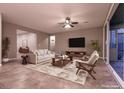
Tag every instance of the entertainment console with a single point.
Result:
(76, 53)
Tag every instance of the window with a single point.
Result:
(113, 39)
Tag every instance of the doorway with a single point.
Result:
(26, 39)
(52, 42)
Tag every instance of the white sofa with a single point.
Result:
(41, 55)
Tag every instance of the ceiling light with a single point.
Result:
(67, 26)
(67, 21)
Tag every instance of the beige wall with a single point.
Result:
(0, 39)
(9, 30)
(27, 39)
(89, 34)
(24, 39)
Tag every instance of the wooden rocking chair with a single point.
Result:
(88, 65)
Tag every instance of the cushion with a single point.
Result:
(93, 59)
(52, 55)
(49, 52)
(45, 51)
(40, 57)
(46, 55)
(41, 52)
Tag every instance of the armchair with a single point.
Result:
(88, 65)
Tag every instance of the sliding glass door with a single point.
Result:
(117, 51)
(120, 46)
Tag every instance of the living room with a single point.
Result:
(43, 38)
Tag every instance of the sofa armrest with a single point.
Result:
(32, 58)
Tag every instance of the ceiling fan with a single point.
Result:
(68, 23)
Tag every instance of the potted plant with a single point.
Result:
(95, 45)
(5, 48)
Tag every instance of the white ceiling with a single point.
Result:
(21, 32)
(45, 17)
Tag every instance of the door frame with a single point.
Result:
(107, 42)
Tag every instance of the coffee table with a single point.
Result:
(60, 61)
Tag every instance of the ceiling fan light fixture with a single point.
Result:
(67, 21)
(67, 26)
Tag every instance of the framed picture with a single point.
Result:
(24, 43)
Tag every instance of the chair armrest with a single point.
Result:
(32, 58)
(81, 61)
(86, 64)
(85, 57)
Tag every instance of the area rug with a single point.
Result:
(68, 72)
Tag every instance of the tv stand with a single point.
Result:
(76, 53)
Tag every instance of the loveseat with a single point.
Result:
(41, 55)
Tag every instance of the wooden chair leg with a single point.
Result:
(77, 71)
(91, 75)
(94, 72)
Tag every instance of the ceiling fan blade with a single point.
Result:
(71, 25)
(63, 26)
(62, 23)
(74, 22)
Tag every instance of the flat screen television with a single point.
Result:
(77, 42)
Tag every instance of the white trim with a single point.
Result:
(106, 24)
(117, 78)
(8, 59)
(0, 38)
(103, 52)
(110, 12)
(108, 42)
